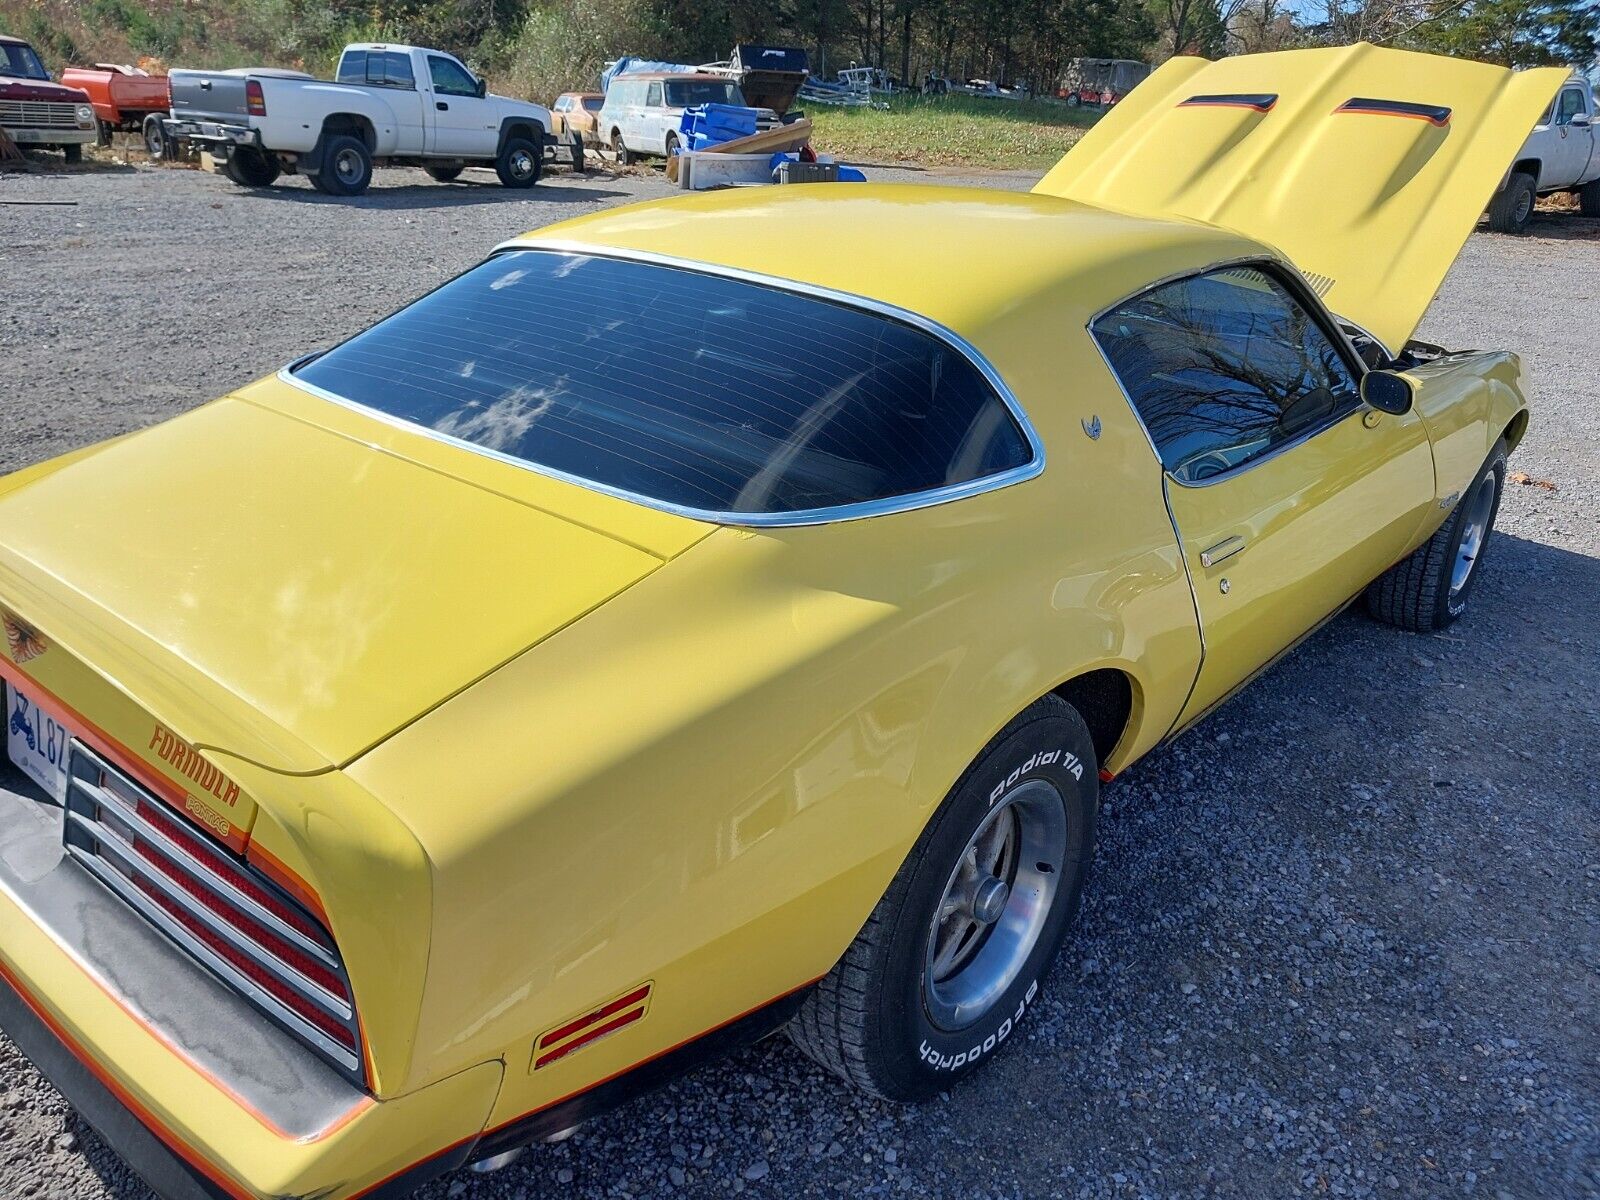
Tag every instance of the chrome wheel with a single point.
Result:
(521, 164)
(1475, 517)
(347, 166)
(995, 905)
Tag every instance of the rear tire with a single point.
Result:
(1589, 198)
(444, 174)
(625, 157)
(156, 142)
(346, 166)
(520, 163)
(952, 957)
(1430, 588)
(252, 168)
(1512, 207)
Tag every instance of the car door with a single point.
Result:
(1287, 494)
(464, 124)
(652, 123)
(1570, 145)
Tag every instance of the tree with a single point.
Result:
(1516, 33)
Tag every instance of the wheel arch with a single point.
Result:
(521, 126)
(1526, 166)
(1106, 698)
(1514, 430)
(351, 123)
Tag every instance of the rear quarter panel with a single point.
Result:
(709, 782)
(297, 109)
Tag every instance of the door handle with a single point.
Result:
(1222, 551)
(441, 106)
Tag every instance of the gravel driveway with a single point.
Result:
(1343, 938)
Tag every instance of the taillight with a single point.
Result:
(255, 102)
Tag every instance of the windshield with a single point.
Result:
(687, 390)
(21, 62)
(691, 93)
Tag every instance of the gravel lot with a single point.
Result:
(1343, 939)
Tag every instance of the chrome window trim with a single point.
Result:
(1286, 273)
(810, 516)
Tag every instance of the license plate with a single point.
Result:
(37, 743)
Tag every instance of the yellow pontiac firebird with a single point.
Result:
(715, 615)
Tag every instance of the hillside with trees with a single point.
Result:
(539, 47)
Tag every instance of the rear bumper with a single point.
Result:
(52, 137)
(216, 133)
(202, 1096)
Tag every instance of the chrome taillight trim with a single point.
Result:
(95, 841)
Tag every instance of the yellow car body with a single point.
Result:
(548, 761)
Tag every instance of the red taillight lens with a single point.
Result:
(254, 102)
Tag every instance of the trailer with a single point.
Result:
(125, 98)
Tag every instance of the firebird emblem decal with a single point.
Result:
(1091, 426)
(23, 641)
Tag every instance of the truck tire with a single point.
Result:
(950, 961)
(346, 166)
(73, 154)
(578, 164)
(1589, 198)
(156, 142)
(1430, 588)
(252, 168)
(444, 174)
(1512, 206)
(520, 163)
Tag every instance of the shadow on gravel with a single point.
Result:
(435, 195)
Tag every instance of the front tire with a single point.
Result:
(1512, 207)
(1589, 198)
(1430, 588)
(519, 164)
(951, 959)
(73, 154)
(625, 157)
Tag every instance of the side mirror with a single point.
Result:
(1579, 121)
(483, 88)
(1386, 392)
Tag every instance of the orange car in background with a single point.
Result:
(579, 112)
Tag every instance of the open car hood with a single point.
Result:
(1367, 167)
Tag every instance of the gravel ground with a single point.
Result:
(1344, 938)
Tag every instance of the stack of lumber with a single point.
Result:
(779, 139)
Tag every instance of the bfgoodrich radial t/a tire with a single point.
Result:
(951, 959)
(1429, 588)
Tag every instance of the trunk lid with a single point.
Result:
(289, 593)
(1367, 167)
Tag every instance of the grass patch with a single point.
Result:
(951, 130)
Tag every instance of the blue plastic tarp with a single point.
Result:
(628, 66)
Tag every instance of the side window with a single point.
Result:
(561, 105)
(353, 67)
(450, 78)
(397, 70)
(1571, 104)
(653, 100)
(1223, 367)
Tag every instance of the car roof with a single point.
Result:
(675, 76)
(959, 256)
(8, 40)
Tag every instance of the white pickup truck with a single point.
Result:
(1562, 154)
(401, 105)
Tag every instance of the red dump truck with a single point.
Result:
(125, 98)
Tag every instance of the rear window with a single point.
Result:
(687, 390)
